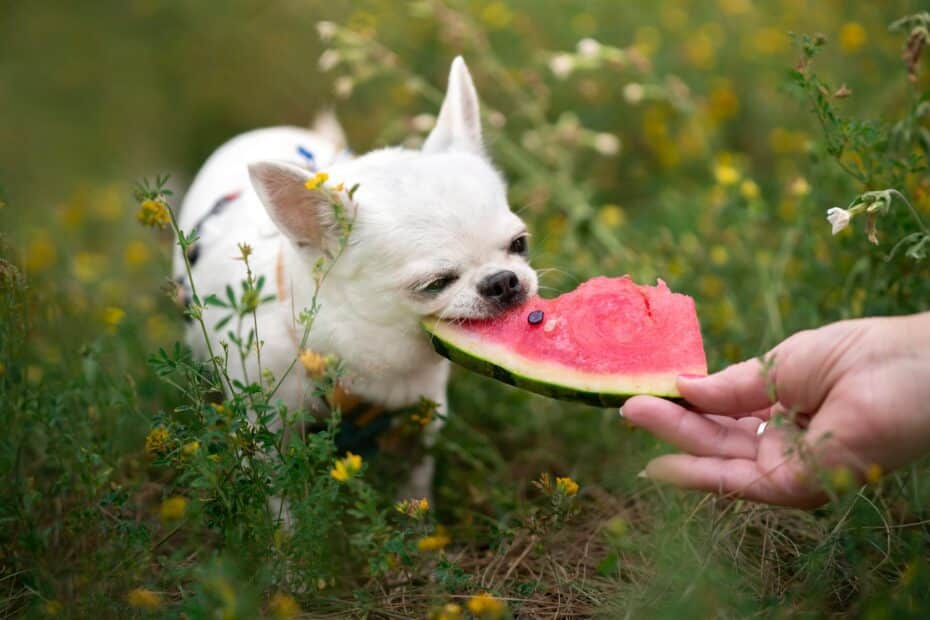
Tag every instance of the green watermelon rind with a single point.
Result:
(474, 361)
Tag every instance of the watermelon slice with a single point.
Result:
(607, 340)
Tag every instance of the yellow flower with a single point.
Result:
(719, 255)
(673, 17)
(109, 205)
(788, 209)
(422, 418)
(283, 606)
(726, 174)
(734, 7)
(842, 479)
(222, 589)
(34, 373)
(749, 190)
(143, 598)
(88, 266)
(800, 187)
(873, 473)
(71, 214)
(647, 39)
(313, 363)
(435, 542)
(347, 467)
(449, 611)
(723, 102)
(190, 448)
(784, 141)
(497, 15)
(173, 508)
(112, 317)
(566, 486)
(53, 607)
(852, 37)
(612, 216)
(153, 213)
(415, 508)
(136, 254)
(766, 41)
(157, 441)
(317, 181)
(486, 605)
(700, 51)
(711, 286)
(40, 254)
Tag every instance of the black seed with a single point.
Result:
(535, 317)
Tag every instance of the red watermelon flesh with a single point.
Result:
(604, 341)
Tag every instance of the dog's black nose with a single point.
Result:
(503, 288)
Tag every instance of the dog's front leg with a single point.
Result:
(420, 483)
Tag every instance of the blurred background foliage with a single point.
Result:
(662, 139)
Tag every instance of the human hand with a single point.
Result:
(857, 391)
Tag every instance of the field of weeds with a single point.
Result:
(699, 142)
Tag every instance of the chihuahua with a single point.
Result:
(432, 235)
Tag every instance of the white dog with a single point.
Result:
(432, 235)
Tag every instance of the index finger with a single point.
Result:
(692, 432)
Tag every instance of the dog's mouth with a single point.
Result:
(480, 311)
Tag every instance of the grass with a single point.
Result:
(733, 143)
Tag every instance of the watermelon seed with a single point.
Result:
(535, 317)
(550, 325)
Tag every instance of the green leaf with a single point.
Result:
(223, 322)
(213, 300)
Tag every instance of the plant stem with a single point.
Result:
(220, 373)
(914, 212)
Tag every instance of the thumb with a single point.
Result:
(798, 373)
(737, 390)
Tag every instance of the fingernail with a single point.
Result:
(643, 474)
(620, 411)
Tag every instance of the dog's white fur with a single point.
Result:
(420, 214)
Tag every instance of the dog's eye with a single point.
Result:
(519, 245)
(439, 285)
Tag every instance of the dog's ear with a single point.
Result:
(304, 215)
(458, 127)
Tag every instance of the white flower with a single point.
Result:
(496, 119)
(607, 144)
(328, 60)
(562, 65)
(531, 141)
(326, 30)
(838, 218)
(423, 122)
(633, 92)
(588, 47)
(343, 87)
